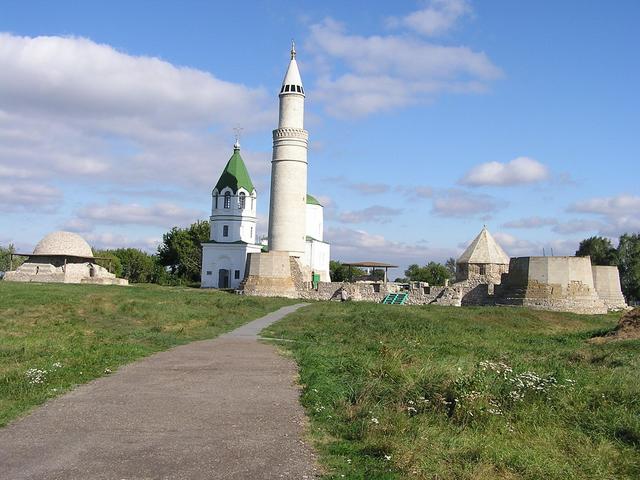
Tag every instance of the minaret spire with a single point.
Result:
(293, 49)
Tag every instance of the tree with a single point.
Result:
(110, 261)
(629, 263)
(451, 266)
(434, 273)
(136, 266)
(5, 259)
(599, 249)
(340, 272)
(181, 250)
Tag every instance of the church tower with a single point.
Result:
(287, 209)
(232, 226)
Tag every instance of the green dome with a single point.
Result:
(312, 200)
(235, 174)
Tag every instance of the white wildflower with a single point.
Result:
(375, 420)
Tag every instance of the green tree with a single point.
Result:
(5, 259)
(434, 273)
(181, 250)
(136, 266)
(109, 260)
(629, 263)
(340, 272)
(451, 266)
(599, 249)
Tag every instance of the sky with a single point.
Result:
(427, 119)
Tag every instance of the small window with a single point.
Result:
(225, 230)
(286, 88)
(208, 272)
(227, 200)
(243, 200)
(282, 89)
(298, 89)
(302, 89)
(252, 231)
(216, 200)
(483, 269)
(236, 274)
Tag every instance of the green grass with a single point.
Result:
(75, 333)
(405, 392)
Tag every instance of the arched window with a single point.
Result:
(243, 200)
(227, 200)
(216, 199)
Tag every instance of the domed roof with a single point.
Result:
(63, 243)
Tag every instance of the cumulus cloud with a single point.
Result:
(166, 215)
(531, 222)
(521, 170)
(382, 72)
(28, 197)
(370, 188)
(107, 241)
(359, 245)
(518, 247)
(618, 214)
(460, 203)
(436, 18)
(373, 214)
(576, 226)
(85, 113)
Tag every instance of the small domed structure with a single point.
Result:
(63, 243)
(63, 257)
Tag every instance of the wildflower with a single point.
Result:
(36, 376)
(375, 420)
(107, 370)
(412, 410)
(56, 365)
(387, 457)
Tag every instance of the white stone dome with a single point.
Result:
(63, 243)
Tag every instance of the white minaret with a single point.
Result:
(288, 204)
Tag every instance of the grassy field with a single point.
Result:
(53, 337)
(466, 393)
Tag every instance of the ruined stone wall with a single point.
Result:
(550, 283)
(482, 272)
(269, 274)
(54, 270)
(606, 280)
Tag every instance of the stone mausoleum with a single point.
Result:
(63, 257)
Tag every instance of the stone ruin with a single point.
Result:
(485, 275)
(63, 257)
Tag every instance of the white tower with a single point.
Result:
(287, 209)
(233, 226)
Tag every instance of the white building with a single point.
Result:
(316, 251)
(233, 227)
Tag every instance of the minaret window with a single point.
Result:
(216, 200)
(286, 88)
(225, 230)
(243, 200)
(227, 200)
(298, 89)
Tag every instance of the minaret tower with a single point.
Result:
(289, 168)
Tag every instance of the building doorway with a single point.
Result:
(223, 278)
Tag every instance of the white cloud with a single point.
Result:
(107, 240)
(438, 17)
(359, 245)
(518, 171)
(575, 226)
(531, 222)
(459, 203)
(372, 214)
(619, 214)
(84, 113)
(385, 72)
(370, 188)
(166, 215)
(18, 196)
(517, 247)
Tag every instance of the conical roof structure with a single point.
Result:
(235, 174)
(484, 249)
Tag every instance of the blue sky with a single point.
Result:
(426, 119)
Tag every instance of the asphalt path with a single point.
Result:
(223, 408)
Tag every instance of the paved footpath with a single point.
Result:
(223, 408)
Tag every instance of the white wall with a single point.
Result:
(232, 257)
(241, 222)
(316, 257)
(315, 219)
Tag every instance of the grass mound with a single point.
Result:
(466, 393)
(53, 337)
